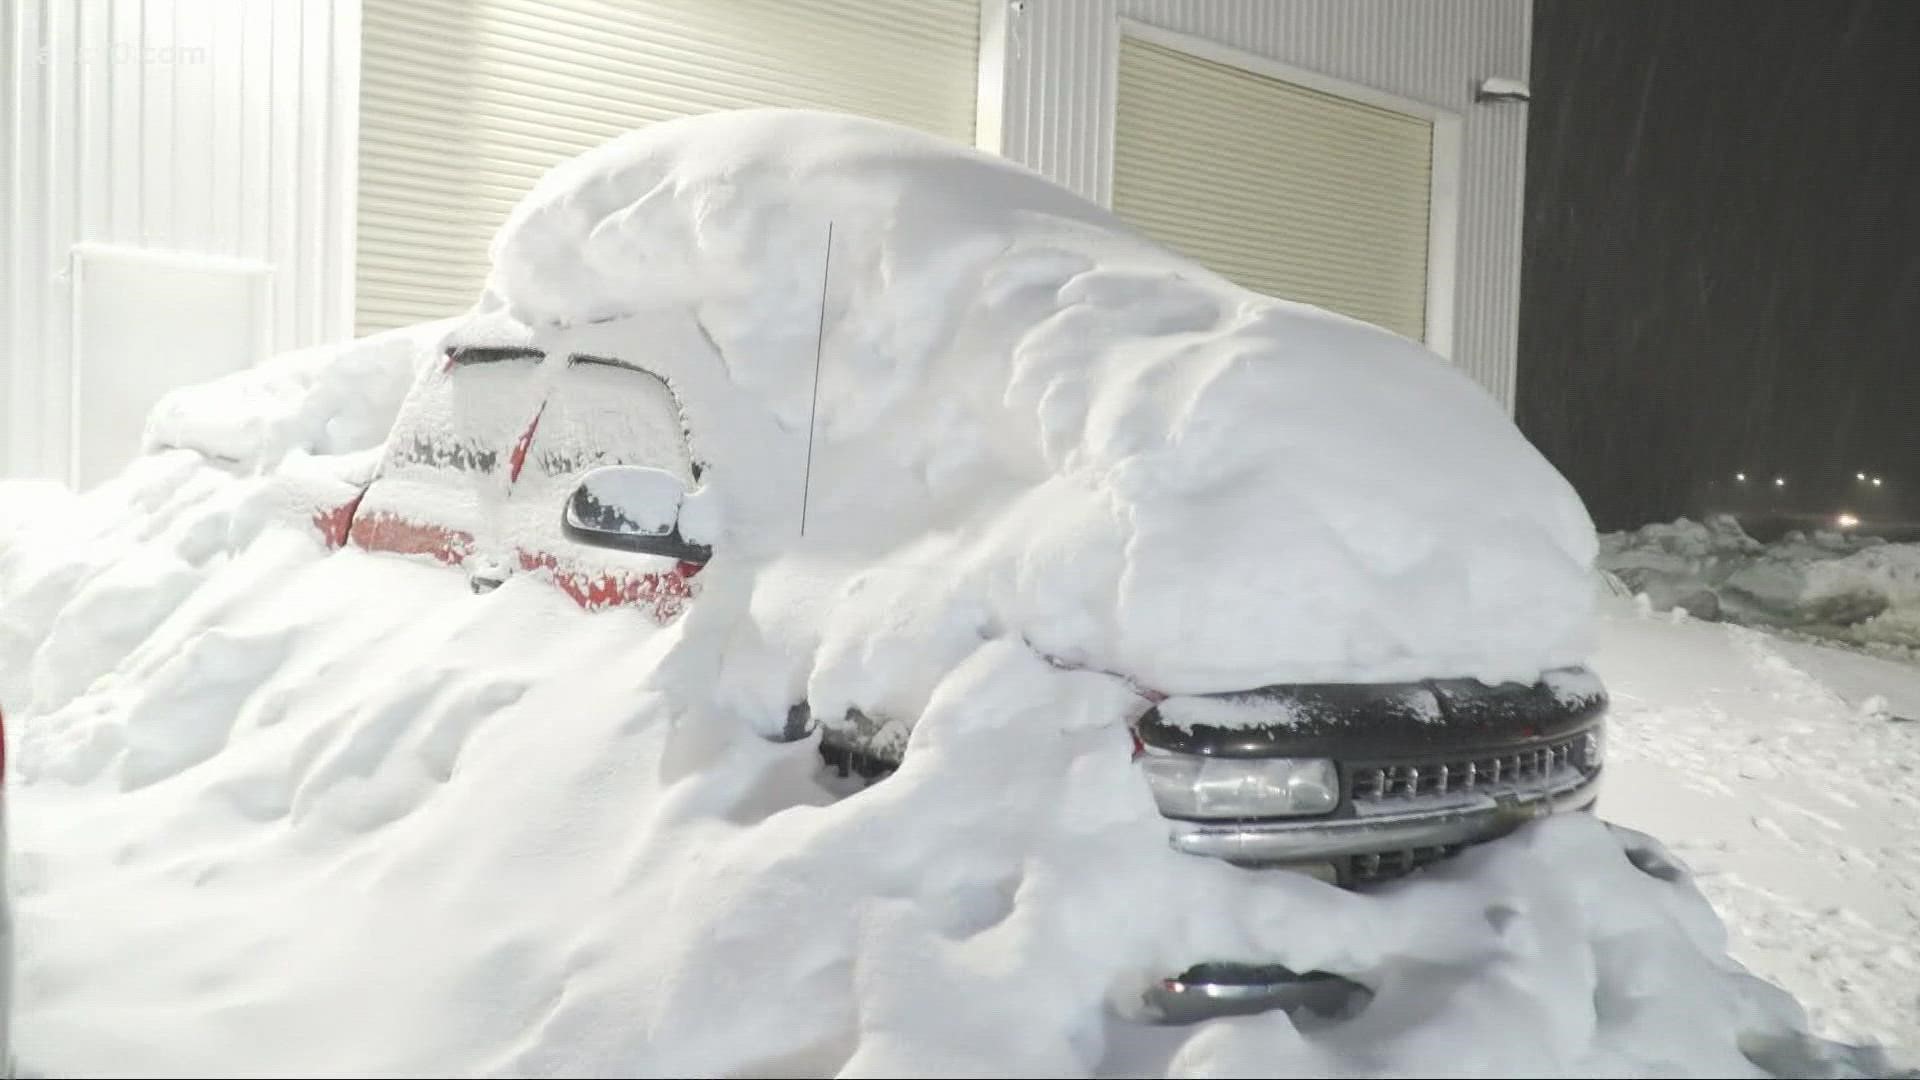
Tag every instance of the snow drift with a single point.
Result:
(1852, 588)
(334, 814)
(290, 811)
(1032, 422)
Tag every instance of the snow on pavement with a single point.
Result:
(1797, 809)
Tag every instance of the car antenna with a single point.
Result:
(819, 337)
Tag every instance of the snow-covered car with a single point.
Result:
(1353, 782)
(589, 468)
(1349, 600)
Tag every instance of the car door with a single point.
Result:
(600, 411)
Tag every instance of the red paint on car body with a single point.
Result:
(383, 531)
(337, 523)
(666, 594)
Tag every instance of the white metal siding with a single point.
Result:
(1058, 110)
(214, 127)
(451, 137)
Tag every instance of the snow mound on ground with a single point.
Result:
(329, 399)
(354, 819)
(85, 579)
(1881, 582)
(1859, 589)
(1032, 421)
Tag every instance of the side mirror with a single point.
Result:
(631, 508)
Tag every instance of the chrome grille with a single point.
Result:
(1377, 783)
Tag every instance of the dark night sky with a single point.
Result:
(1722, 253)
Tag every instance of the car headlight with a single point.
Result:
(1188, 786)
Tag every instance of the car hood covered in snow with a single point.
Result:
(1032, 422)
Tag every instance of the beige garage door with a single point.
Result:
(465, 103)
(1287, 190)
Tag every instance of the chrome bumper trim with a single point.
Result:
(1458, 820)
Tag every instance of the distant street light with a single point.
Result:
(1740, 477)
(1779, 481)
(1859, 476)
(1876, 481)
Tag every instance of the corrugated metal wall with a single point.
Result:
(1058, 109)
(218, 127)
(227, 127)
(450, 141)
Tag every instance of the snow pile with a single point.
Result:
(1882, 582)
(1859, 589)
(1032, 422)
(279, 810)
(330, 399)
(85, 579)
(353, 819)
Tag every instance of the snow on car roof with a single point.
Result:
(1032, 421)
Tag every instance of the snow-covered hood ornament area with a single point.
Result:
(281, 807)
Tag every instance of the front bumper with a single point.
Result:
(1423, 823)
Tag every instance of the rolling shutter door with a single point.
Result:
(1286, 190)
(465, 103)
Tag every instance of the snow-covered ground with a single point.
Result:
(282, 809)
(1775, 771)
